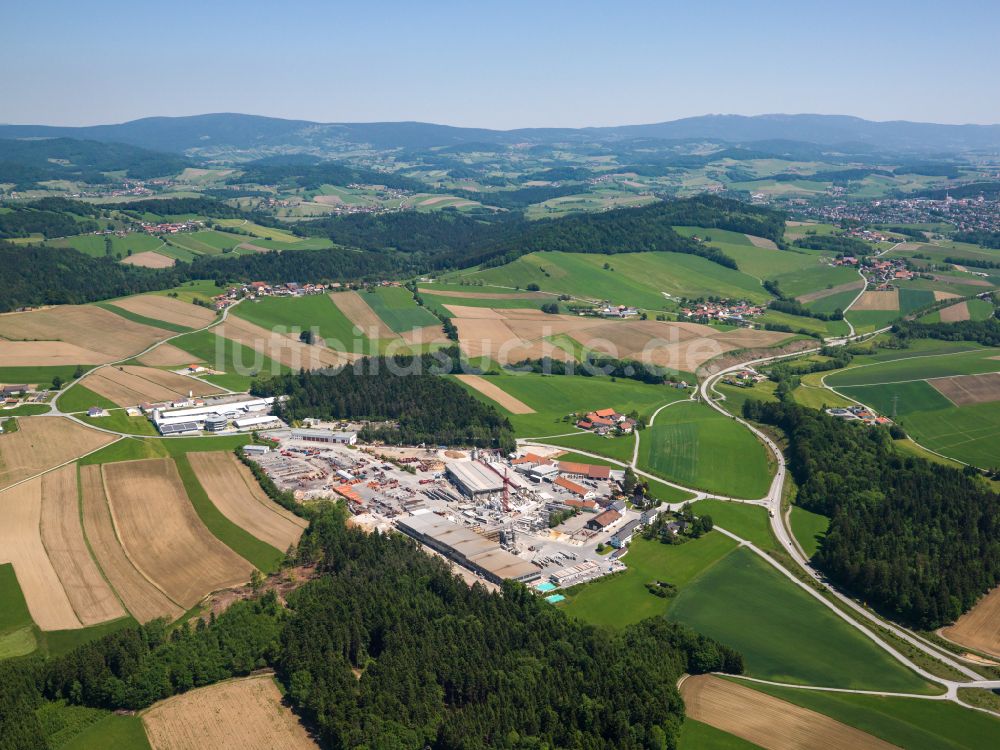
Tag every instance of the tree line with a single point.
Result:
(918, 541)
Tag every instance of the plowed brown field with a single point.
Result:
(979, 628)
(44, 442)
(167, 309)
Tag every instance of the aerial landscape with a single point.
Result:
(445, 378)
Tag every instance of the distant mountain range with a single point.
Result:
(228, 133)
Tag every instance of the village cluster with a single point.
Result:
(734, 312)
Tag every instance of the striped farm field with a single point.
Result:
(42, 443)
(162, 534)
(396, 307)
(767, 721)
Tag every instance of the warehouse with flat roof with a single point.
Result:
(469, 549)
(475, 479)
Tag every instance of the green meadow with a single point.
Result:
(750, 522)
(696, 446)
(96, 246)
(917, 364)
(640, 279)
(397, 309)
(17, 630)
(809, 528)
(239, 363)
(312, 312)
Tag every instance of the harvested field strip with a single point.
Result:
(243, 714)
(149, 259)
(21, 545)
(494, 392)
(851, 286)
(963, 390)
(42, 443)
(761, 242)
(236, 493)
(167, 309)
(979, 628)
(128, 385)
(136, 318)
(939, 296)
(48, 354)
(280, 348)
(767, 721)
(85, 326)
(262, 555)
(140, 596)
(888, 301)
(167, 355)
(62, 535)
(360, 313)
(163, 535)
(955, 313)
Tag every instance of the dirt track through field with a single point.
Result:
(167, 309)
(358, 311)
(877, 301)
(242, 714)
(149, 259)
(963, 390)
(21, 545)
(979, 628)
(110, 336)
(43, 442)
(493, 391)
(235, 492)
(279, 347)
(141, 597)
(167, 355)
(766, 721)
(163, 535)
(62, 535)
(955, 313)
(850, 286)
(128, 385)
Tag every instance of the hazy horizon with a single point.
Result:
(556, 64)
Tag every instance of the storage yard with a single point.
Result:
(530, 518)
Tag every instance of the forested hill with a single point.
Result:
(439, 665)
(28, 162)
(918, 541)
(424, 407)
(397, 245)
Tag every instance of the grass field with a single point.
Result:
(239, 363)
(96, 246)
(737, 395)
(783, 632)
(910, 723)
(113, 731)
(555, 396)
(26, 410)
(804, 323)
(899, 387)
(133, 448)
(395, 306)
(17, 631)
(639, 279)
(747, 521)
(257, 230)
(698, 736)
(315, 311)
(619, 448)
(192, 290)
(41, 376)
(262, 555)
(866, 321)
(79, 398)
(694, 445)
(623, 599)
(808, 528)
(119, 421)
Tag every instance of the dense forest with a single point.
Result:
(438, 664)
(28, 162)
(918, 541)
(178, 206)
(979, 237)
(419, 405)
(985, 332)
(25, 220)
(834, 244)
(310, 173)
(975, 262)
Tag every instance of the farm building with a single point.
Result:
(469, 549)
(604, 520)
(326, 436)
(624, 535)
(475, 479)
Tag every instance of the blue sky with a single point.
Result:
(498, 64)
